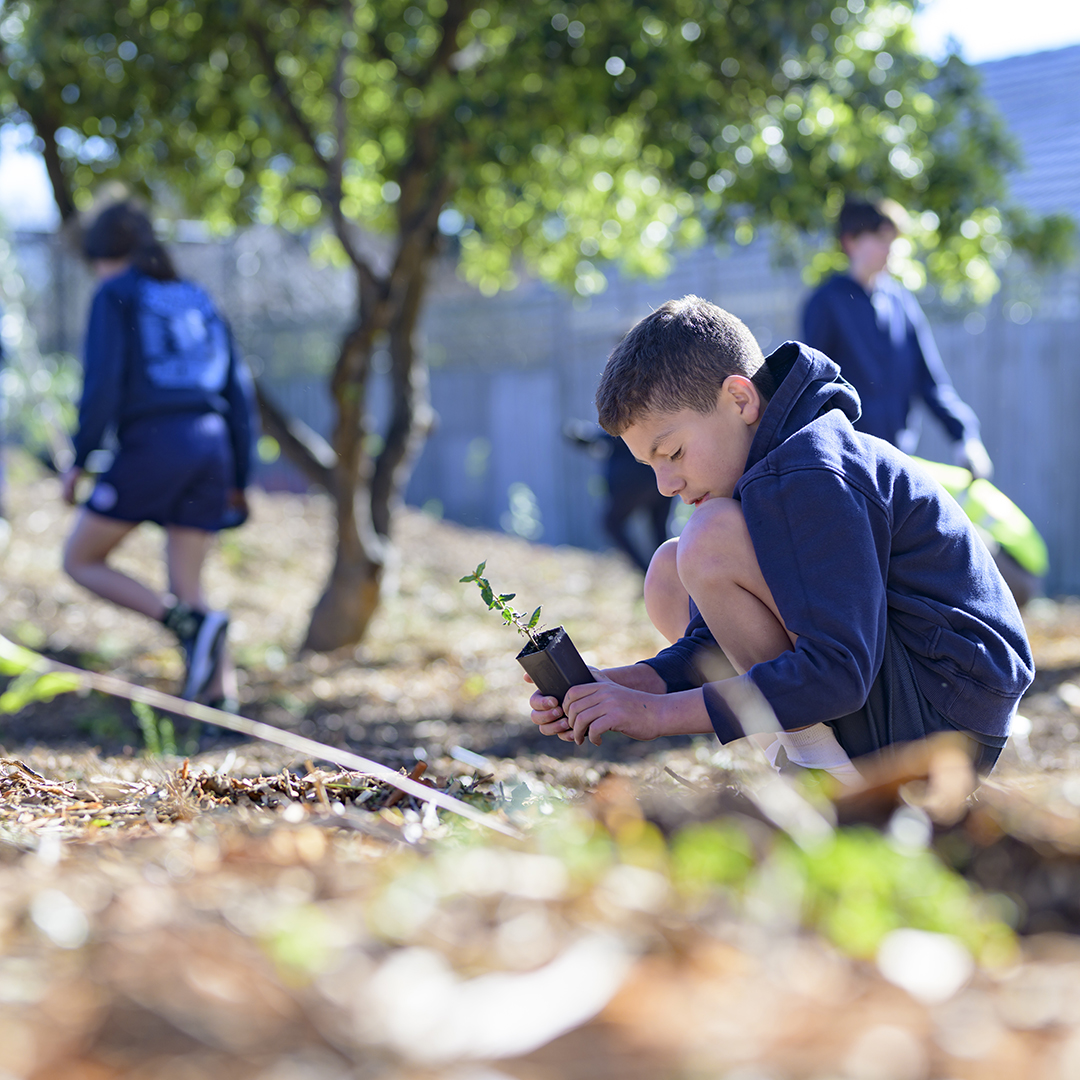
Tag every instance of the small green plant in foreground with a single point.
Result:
(500, 602)
(158, 732)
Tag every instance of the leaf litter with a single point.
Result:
(248, 910)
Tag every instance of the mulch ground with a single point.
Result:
(236, 910)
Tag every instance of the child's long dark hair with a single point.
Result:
(121, 231)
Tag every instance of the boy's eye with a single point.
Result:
(676, 455)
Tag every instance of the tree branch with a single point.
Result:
(332, 192)
(456, 11)
(300, 444)
(45, 127)
(281, 88)
(78, 679)
(46, 130)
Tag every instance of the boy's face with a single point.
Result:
(700, 456)
(869, 251)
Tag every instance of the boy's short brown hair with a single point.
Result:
(675, 358)
(858, 216)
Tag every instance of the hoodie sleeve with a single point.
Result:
(823, 547)
(934, 385)
(103, 372)
(681, 665)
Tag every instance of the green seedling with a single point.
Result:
(158, 732)
(500, 602)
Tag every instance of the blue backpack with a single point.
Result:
(184, 341)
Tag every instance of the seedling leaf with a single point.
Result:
(501, 604)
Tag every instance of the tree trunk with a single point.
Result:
(351, 595)
(366, 495)
(348, 602)
(411, 413)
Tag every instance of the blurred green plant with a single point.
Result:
(158, 732)
(37, 392)
(561, 140)
(37, 403)
(29, 682)
(860, 886)
(854, 889)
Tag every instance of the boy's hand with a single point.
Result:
(548, 716)
(68, 483)
(594, 708)
(628, 699)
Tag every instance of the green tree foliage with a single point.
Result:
(565, 137)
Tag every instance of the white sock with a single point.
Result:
(816, 747)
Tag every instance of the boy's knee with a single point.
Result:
(70, 561)
(77, 557)
(666, 599)
(714, 544)
(663, 573)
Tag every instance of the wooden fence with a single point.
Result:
(508, 371)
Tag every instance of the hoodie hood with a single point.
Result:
(808, 384)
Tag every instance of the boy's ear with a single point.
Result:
(739, 393)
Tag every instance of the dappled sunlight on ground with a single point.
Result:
(669, 909)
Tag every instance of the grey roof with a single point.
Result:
(1038, 96)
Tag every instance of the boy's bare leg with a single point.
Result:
(718, 567)
(666, 598)
(185, 553)
(89, 545)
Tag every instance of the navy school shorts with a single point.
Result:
(172, 469)
(897, 711)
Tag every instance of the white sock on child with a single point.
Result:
(816, 747)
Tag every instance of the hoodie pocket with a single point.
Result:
(949, 645)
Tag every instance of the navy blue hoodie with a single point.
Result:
(157, 347)
(853, 537)
(885, 348)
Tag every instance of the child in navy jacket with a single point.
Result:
(846, 587)
(875, 330)
(162, 374)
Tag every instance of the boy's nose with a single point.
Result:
(668, 483)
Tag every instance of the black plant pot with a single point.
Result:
(556, 665)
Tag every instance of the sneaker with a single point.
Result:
(202, 637)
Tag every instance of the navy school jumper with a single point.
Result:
(852, 538)
(884, 346)
(156, 347)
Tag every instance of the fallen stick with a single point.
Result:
(417, 771)
(110, 684)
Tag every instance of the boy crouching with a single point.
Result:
(837, 577)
